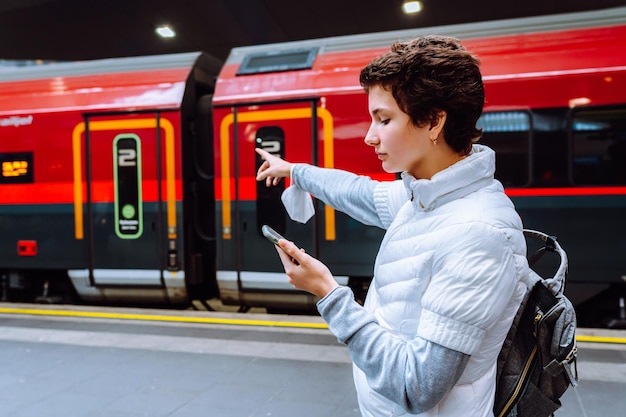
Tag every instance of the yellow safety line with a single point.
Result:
(601, 339)
(216, 320)
(150, 317)
(170, 171)
(264, 116)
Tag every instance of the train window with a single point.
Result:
(550, 157)
(127, 168)
(17, 168)
(269, 208)
(272, 61)
(508, 134)
(599, 146)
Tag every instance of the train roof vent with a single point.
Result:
(274, 61)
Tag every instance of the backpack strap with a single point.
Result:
(556, 284)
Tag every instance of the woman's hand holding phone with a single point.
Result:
(308, 274)
(304, 271)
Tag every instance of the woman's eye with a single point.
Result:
(384, 121)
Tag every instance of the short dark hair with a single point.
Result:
(427, 75)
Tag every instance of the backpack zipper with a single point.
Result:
(521, 381)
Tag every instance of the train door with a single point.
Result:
(125, 215)
(284, 130)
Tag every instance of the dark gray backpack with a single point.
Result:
(535, 363)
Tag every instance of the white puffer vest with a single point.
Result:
(451, 269)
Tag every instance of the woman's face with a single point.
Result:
(399, 144)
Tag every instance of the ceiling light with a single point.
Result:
(411, 7)
(165, 31)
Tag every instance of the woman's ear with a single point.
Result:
(436, 125)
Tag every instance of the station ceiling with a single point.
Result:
(92, 29)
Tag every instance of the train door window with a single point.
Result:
(269, 207)
(508, 134)
(599, 146)
(550, 156)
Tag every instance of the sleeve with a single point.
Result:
(373, 203)
(402, 371)
(474, 278)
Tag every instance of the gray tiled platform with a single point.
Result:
(72, 367)
(61, 380)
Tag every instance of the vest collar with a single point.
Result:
(458, 180)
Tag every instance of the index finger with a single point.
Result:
(264, 154)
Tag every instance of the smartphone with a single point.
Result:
(271, 234)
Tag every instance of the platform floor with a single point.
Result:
(69, 361)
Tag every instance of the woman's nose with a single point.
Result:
(371, 138)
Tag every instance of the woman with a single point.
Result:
(451, 269)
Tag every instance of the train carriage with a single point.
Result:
(99, 180)
(186, 224)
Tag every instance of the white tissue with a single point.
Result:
(298, 204)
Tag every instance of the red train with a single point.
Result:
(132, 179)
